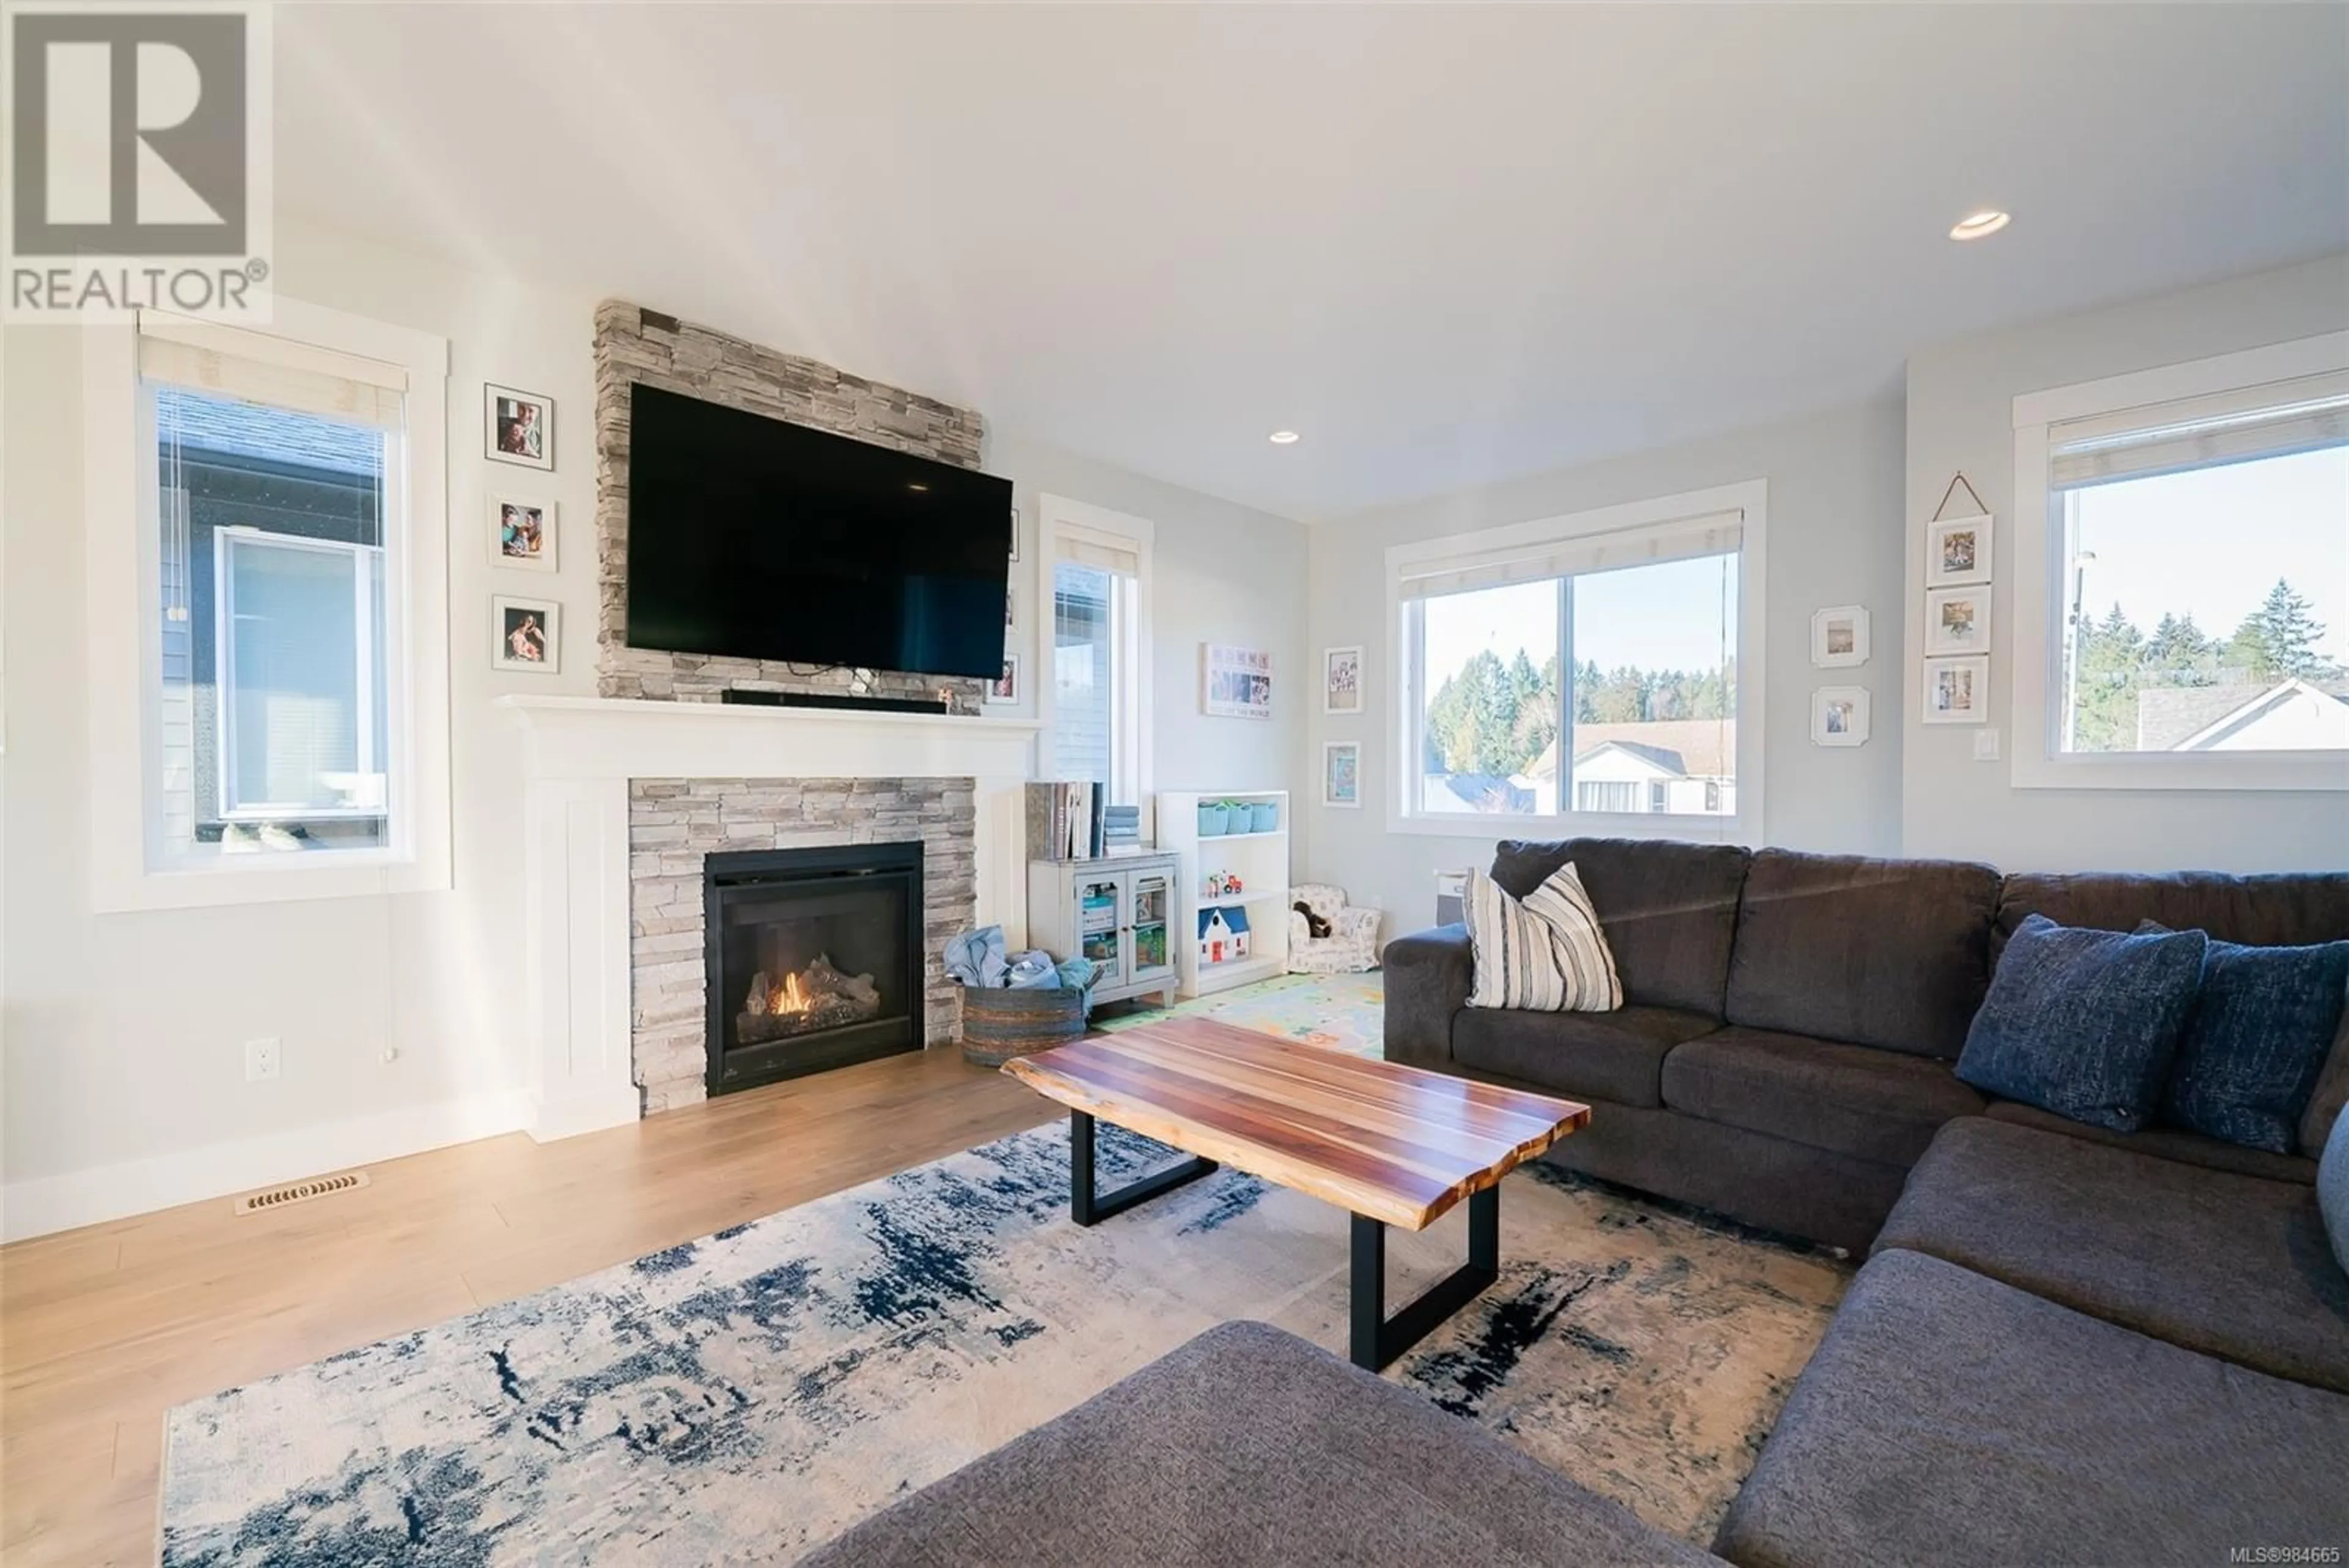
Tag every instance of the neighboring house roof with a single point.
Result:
(2168, 714)
(1487, 792)
(2248, 712)
(1698, 748)
(1663, 761)
(208, 422)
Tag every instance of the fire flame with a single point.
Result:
(791, 998)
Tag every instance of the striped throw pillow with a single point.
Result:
(1543, 954)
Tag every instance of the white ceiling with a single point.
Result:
(1449, 243)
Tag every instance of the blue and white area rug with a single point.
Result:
(740, 1398)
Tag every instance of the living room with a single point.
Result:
(1622, 559)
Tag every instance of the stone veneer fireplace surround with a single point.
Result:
(675, 825)
(583, 755)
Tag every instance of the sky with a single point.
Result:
(1668, 617)
(2213, 541)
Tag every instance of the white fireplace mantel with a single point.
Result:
(581, 754)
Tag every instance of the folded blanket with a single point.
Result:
(1034, 971)
(977, 958)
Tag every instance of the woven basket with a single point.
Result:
(998, 1023)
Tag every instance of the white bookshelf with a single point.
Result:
(1261, 862)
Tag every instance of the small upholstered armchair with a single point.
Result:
(1353, 943)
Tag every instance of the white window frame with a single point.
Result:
(2036, 644)
(366, 568)
(1131, 759)
(1751, 498)
(128, 868)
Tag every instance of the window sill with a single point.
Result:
(2209, 773)
(1676, 828)
(269, 879)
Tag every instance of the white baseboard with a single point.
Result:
(37, 1207)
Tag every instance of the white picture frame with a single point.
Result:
(1014, 557)
(1004, 690)
(1958, 550)
(517, 427)
(1235, 682)
(534, 522)
(1341, 774)
(1840, 637)
(1956, 690)
(1957, 620)
(1839, 716)
(1341, 679)
(517, 625)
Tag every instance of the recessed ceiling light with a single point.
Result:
(1978, 225)
(1282, 438)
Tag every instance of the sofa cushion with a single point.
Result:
(2284, 911)
(1949, 1418)
(2084, 1023)
(1611, 1055)
(2164, 1143)
(1669, 910)
(1250, 1445)
(2233, 1266)
(2255, 1040)
(1874, 1105)
(2331, 1095)
(1880, 952)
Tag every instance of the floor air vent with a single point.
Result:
(301, 1191)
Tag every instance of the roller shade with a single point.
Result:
(1104, 550)
(1714, 534)
(256, 369)
(2273, 420)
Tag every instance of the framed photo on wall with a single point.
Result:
(1957, 620)
(529, 634)
(1839, 716)
(1840, 637)
(1958, 550)
(1342, 773)
(1003, 691)
(521, 532)
(1957, 690)
(1341, 679)
(517, 427)
(1235, 683)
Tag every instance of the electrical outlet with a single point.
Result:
(260, 1061)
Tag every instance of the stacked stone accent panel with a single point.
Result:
(678, 356)
(673, 827)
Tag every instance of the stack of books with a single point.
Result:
(1064, 820)
(1121, 830)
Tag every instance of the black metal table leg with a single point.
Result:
(1375, 1339)
(1088, 1207)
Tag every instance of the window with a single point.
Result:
(1588, 666)
(282, 633)
(1097, 564)
(2186, 594)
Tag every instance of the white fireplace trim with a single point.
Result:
(581, 754)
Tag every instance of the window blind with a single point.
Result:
(2273, 420)
(1714, 534)
(257, 369)
(1106, 552)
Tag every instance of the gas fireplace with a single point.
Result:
(814, 960)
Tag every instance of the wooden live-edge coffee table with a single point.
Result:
(1391, 1144)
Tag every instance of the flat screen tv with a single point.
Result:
(751, 537)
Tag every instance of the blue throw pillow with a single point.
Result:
(2332, 1190)
(2082, 1022)
(2255, 1040)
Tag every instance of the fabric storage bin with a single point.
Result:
(1264, 816)
(999, 1022)
(1215, 819)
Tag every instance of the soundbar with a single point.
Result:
(834, 700)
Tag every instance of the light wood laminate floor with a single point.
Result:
(105, 1328)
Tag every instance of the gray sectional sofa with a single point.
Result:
(2066, 1345)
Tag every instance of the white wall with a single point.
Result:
(1835, 537)
(123, 1078)
(1961, 417)
(1220, 572)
